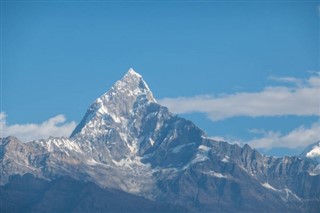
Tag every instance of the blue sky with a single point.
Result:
(58, 57)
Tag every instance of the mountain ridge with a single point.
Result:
(127, 141)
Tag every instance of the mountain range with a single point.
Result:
(130, 148)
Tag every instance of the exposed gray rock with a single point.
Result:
(128, 142)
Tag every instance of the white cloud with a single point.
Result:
(297, 81)
(227, 138)
(56, 126)
(300, 137)
(314, 153)
(218, 138)
(301, 99)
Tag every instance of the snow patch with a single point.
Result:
(202, 155)
(225, 159)
(92, 162)
(177, 149)
(268, 186)
(103, 110)
(313, 174)
(198, 158)
(128, 162)
(151, 141)
(288, 192)
(216, 174)
(132, 72)
(204, 148)
(315, 171)
(115, 118)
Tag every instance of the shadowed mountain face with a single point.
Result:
(29, 194)
(128, 142)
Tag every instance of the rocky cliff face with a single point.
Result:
(128, 142)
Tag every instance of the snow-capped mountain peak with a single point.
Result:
(132, 84)
(129, 142)
(116, 105)
(132, 72)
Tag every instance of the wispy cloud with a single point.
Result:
(300, 137)
(296, 81)
(56, 126)
(300, 99)
(297, 139)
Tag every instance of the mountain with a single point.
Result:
(128, 142)
(31, 194)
